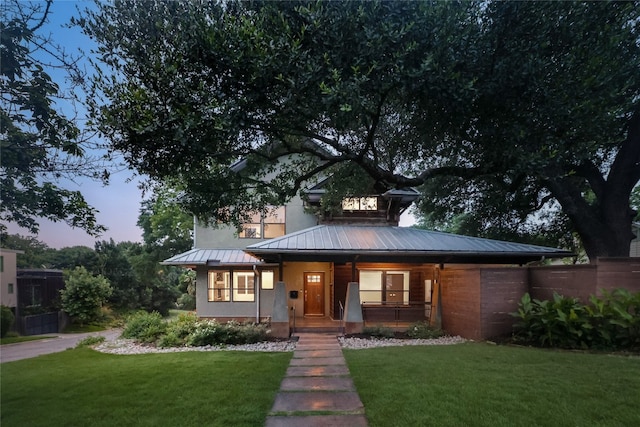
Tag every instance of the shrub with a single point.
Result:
(423, 330)
(145, 327)
(186, 302)
(178, 330)
(6, 320)
(90, 340)
(378, 331)
(610, 322)
(84, 294)
(210, 332)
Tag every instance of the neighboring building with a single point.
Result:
(8, 277)
(634, 248)
(318, 253)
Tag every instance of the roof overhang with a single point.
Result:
(344, 243)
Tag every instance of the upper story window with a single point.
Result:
(265, 226)
(360, 204)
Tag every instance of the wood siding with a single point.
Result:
(460, 297)
(501, 290)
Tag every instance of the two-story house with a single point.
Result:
(317, 253)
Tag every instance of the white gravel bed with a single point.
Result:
(128, 346)
(362, 343)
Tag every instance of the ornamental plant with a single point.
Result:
(84, 294)
(609, 322)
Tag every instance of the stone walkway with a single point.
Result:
(317, 389)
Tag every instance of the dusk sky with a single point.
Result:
(119, 202)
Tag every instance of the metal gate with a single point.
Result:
(38, 324)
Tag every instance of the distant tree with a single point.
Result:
(635, 202)
(84, 294)
(167, 228)
(39, 144)
(75, 256)
(511, 109)
(36, 253)
(114, 265)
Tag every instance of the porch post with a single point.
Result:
(280, 312)
(353, 321)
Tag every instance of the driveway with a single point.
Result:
(25, 350)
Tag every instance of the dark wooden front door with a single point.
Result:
(314, 294)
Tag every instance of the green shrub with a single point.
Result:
(422, 330)
(378, 331)
(610, 322)
(90, 340)
(210, 332)
(186, 302)
(145, 327)
(84, 294)
(6, 320)
(170, 339)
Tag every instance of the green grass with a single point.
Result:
(82, 387)
(483, 385)
(13, 340)
(75, 328)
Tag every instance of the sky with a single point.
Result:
(119, 202)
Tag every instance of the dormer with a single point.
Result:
(379, 206)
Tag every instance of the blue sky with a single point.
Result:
(119, 202)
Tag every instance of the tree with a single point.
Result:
(115, 266)
(511, 108)
(39, 144)
(166, 228)
(84, 294)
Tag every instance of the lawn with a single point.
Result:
(82, 387)
(486, 385)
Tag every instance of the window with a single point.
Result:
(267, 280)
(360, 204)
(219, 286)
(1, 264)
(243, 286)
(267, 226)
(10, 287)
(384, 287)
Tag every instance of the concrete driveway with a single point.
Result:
(25, 350)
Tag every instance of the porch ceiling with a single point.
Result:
(345, 243)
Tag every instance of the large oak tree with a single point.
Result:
(509, 106)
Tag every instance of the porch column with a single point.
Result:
(280, 312)
(353, 321)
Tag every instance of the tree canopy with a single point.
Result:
(40, 145)
(508, 109)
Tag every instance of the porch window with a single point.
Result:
(268, 226)
(267, 279)
(219, 286)
(384, 287)
(243, 286)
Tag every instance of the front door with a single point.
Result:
(394, 288)
(314, 294)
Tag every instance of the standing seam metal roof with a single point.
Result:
(348, 238)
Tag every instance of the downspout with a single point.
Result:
(258, 287)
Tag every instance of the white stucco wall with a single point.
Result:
(8, 277)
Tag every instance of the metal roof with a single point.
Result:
(382, 242)
(212, 257)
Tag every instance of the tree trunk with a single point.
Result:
(604, 226)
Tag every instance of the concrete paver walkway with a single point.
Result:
(317, 389)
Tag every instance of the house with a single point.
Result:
(8, 278)
(301, 262)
